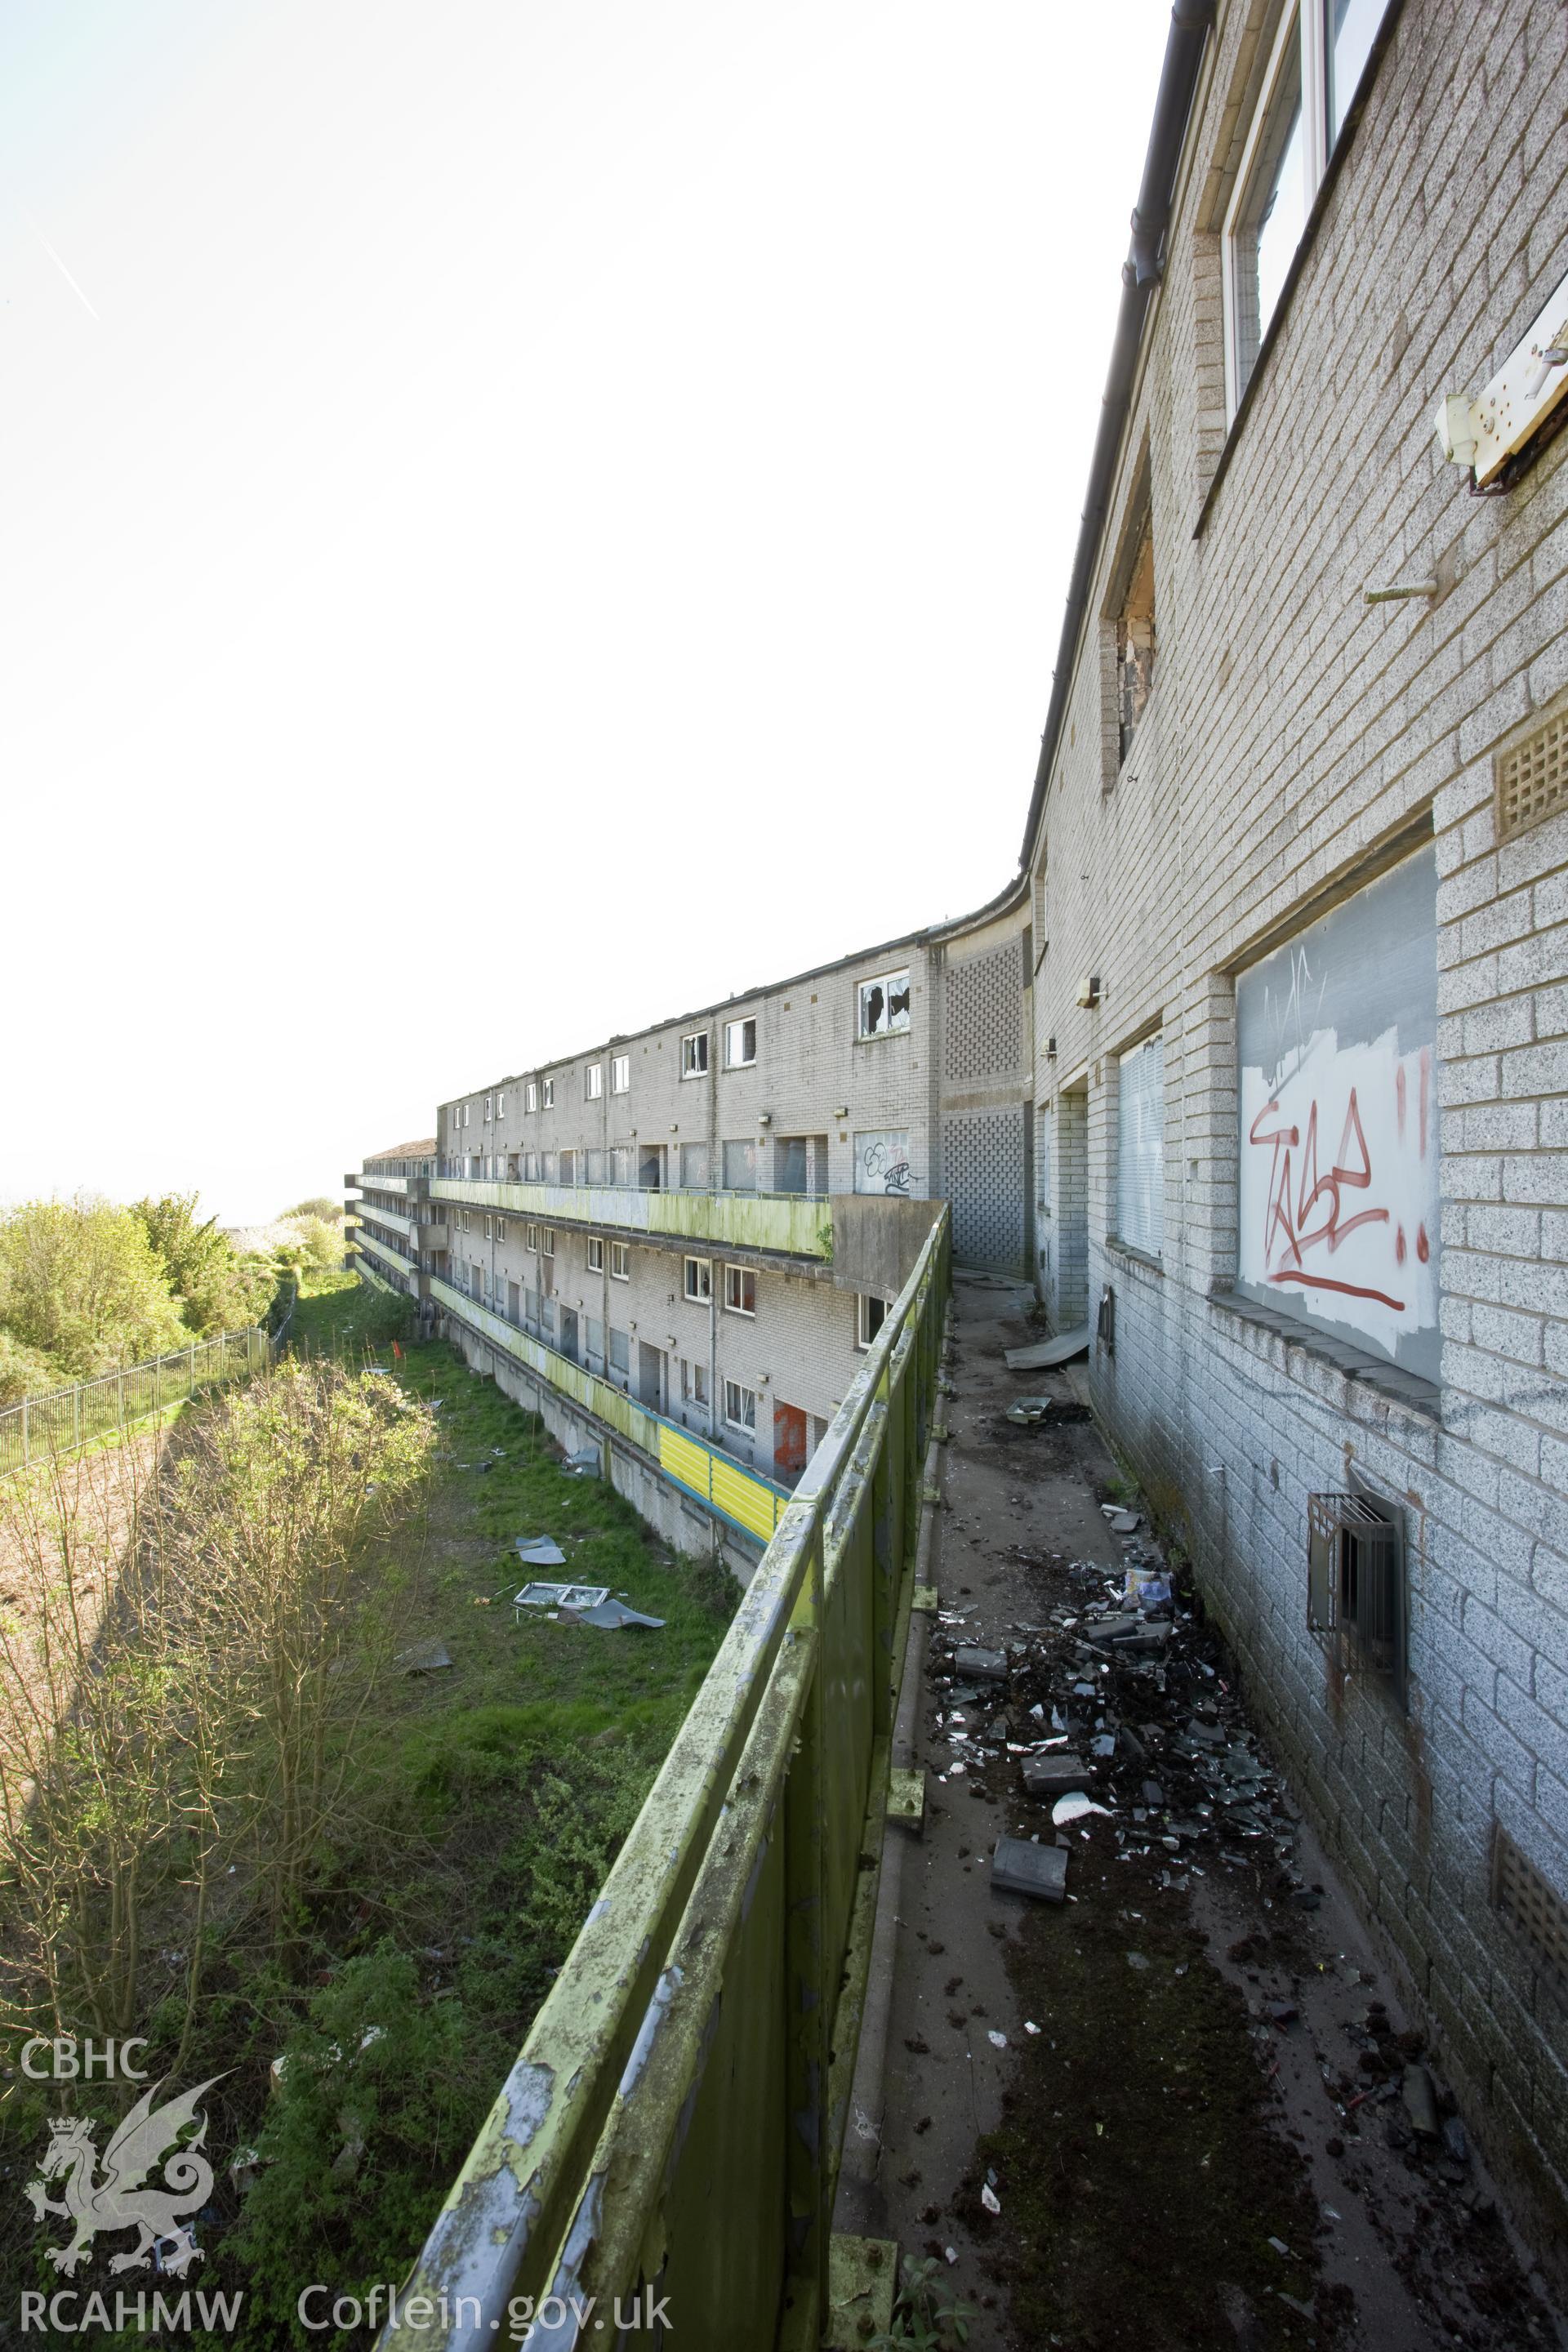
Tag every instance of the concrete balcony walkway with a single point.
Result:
(1186, 2086)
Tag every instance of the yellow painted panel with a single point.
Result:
(745, 1498)
(683, 1460)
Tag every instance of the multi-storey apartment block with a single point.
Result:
(710, 1217)
(1260, 1067)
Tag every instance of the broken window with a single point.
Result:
(694, 1384)
(739, 1045)
(885, 1005)
(694, 1054)
(740, 1406)
(549, 1085)
(595, 1255)
(870, 1314)
(620, 1074)
(531, 1095)
(594, 1081)
(1135, 642)
(620, 1261)
(740, 1290)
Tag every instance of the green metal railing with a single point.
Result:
(677, 2114)
(368, 1244)
(727, 1486)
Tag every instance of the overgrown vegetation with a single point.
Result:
(310, 1854)
(87, 1286)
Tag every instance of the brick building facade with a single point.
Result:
(1301, 1033)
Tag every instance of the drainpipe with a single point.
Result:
(1140, 273)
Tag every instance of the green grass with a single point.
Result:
(491, 1798)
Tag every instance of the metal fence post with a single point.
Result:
(25, 1431)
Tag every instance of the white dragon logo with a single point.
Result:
(118, 2200)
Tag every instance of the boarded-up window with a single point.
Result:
(620, 1352)
(1141, 1147)
(694, 1167)
(883, 1162)
(741, 1166)
(622, 1162)
(1336, 1042)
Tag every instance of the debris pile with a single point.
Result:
(1116, 1705)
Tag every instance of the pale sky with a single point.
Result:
(518, 519)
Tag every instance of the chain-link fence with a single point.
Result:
(116, 1401)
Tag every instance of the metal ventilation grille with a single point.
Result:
(1536, 1913)
(1533, 776)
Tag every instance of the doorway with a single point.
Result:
(789, 1441)
(1070, 1304)
(568, 1334)
(650, 1377)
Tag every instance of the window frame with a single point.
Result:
(592, 1081)
(620, 1261)
(884, 980)
(547, 1086)
(531, 1239)
(1303, 38)
(740, 1391)
(1139, 1050)
(546, 1241)
(701, 1270)
(595, 1254)
(739, 1276)
(694, 1063)
(531, 1095)
(742, 1023)
(864, 1300)
(620, 1074)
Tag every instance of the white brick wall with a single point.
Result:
(1292, 734)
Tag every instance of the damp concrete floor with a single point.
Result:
(1169, 2111)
